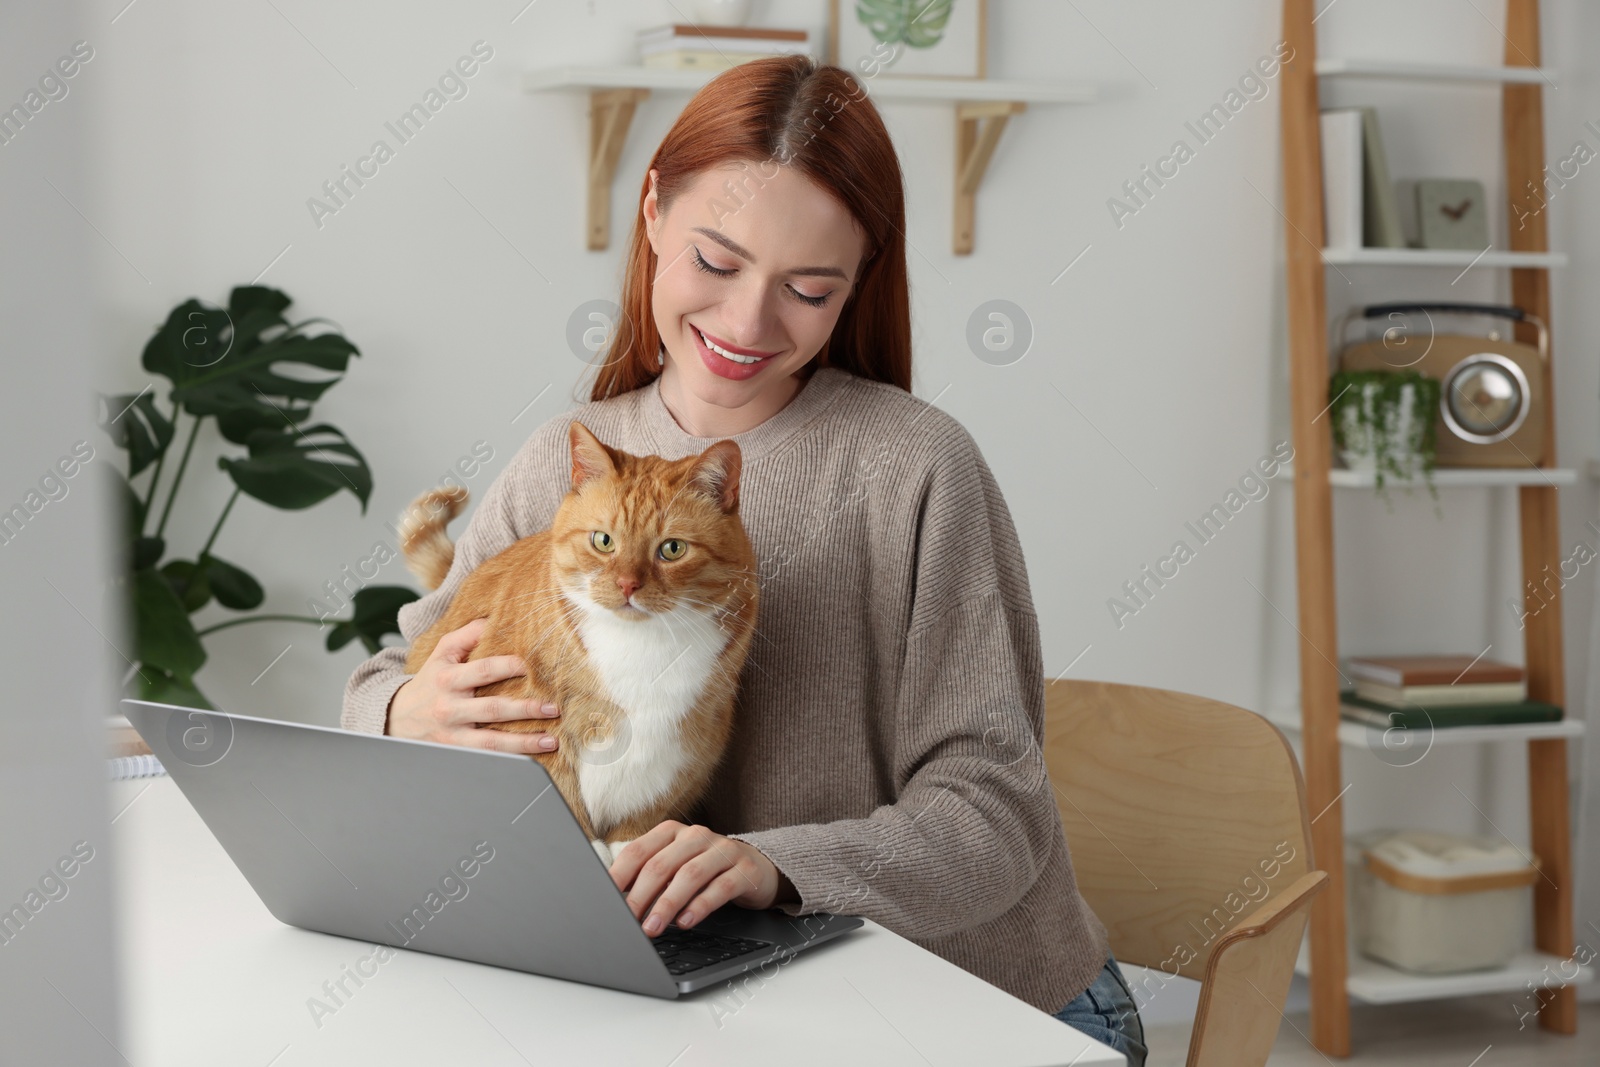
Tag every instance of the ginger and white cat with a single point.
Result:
(634, 613)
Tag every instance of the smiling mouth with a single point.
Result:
(733, 357)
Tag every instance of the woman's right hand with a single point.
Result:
(438, 704)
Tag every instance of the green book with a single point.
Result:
(1417, 717)
(1380, 227)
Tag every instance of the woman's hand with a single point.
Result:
(438, 703)
(694, 871)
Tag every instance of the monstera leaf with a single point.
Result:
(297, 469)
(223, 363)
(918, 23)
(377, 610)
(164, 636)
(132, 422)
(164, 688)
(233, 586)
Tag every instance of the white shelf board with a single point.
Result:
(1345, 67)
(1359, 735)
(1439, 257)
(1450, 477)
(938, 90)
(1377, 983)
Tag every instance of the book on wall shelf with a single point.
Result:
(684, 46)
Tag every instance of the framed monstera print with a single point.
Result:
(908, 38)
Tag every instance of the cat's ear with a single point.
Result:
(590, 456)
(716, 473)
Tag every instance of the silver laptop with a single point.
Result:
(439, 848)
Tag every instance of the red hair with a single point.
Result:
(783, 111)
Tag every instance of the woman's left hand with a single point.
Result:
(688, 872)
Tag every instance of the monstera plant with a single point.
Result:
(256, 374)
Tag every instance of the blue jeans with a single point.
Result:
(1106, 1012)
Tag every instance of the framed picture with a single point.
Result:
(908, 38)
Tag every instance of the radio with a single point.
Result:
(1493, 396)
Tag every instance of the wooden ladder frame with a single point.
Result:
(1522, 119)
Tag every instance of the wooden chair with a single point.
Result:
(1186, 819)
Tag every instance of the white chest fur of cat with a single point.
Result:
(654, 669)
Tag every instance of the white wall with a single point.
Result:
(59, 634)
(455, 269)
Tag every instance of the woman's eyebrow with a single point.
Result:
(739, 250)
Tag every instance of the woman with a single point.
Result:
(886, 757)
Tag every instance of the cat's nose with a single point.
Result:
(629, 586)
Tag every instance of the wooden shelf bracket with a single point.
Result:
(610, 115)
(978, 129)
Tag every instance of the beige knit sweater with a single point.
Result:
(886, 750)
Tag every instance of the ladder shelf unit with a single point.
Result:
(1334, 975)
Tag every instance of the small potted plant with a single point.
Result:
(1383, 422)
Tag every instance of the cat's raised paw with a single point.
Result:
(602, 851)
(616, 849)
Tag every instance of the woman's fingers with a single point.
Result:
(454, 646)
(506, 741)
(503, 708)
(627, 866)
(721, 889)
(675, 874)
(485, 671)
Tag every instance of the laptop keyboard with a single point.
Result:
(689, 950)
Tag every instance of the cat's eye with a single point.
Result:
(673, 548)
(603, 541)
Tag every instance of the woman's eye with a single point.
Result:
(708, 268)
(673, 549)
(602, 541)
(814, 301)
(723, 272)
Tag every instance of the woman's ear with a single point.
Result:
(652, 213)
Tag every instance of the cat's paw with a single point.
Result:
(617, 847)
(602, 851)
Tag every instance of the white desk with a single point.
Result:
(210, 977)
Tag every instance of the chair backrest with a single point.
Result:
(1182, 815)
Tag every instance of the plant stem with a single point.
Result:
(260, 618)
(178, 476)
(224, 515)
(149, 498)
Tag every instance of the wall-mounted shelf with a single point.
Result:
(1399, 70)
(1449, 477)
(1440, 257)
(1360, 735)
(937, 90)
(981, 106)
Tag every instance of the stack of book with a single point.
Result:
(680, 46)
(1360, 208)
(1440, 691)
